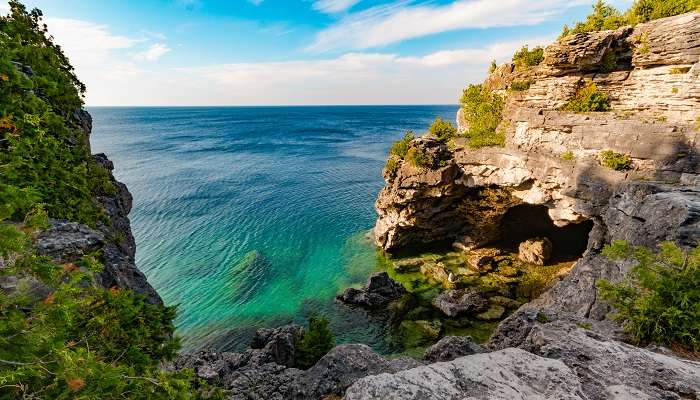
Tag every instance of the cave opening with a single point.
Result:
(526, 221)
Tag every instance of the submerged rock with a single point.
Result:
(494, 313)
(379, 290)
(451, 347)
(460, 301)
(535, 251)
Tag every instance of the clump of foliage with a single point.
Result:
(567, 155)
(70, 338)
(609, 62)
(641, 43)
(679, 70)
(418, 158)
(483, 112)
(606, 17)
(315, 343)
(616, 161)
(42, 146)
(392, 164)
(443, 130)
(492, 66)
(649, 10)
(400, 147)
(526, 58)
(520, 86)
(658, 301)
(588, 99)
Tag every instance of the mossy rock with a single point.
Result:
(494, 313)
(508, 271)
(505, 302)
(408, 265)
(420, 332)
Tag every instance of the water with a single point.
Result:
(256, 216)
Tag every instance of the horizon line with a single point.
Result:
(273, 105)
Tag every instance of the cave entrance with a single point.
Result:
(527, 221)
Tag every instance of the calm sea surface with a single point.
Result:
(256, 216)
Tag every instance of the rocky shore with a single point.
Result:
(504, 210)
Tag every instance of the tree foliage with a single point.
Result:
(526, 58)
(315, 343)
(588, 99)
(659, 301)
(483, 112)
(443, 130)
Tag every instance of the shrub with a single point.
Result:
(443, 130)
(679, 70)
(604, 17)
(400, 147)
(526, 58)
(483, 112)
(492, 66)
(418, 158)
(520, 86)
(392, 164)
(315, 343)
(567, 155)
(587, 99)
(648, 10)
(616, 161)
(658, 300)
(609, 62)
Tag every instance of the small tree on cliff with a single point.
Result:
(315, 343)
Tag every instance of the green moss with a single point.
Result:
(567, 155)
(585, 325)
(588, 99)
(679, 70)
(542, 318)
(674, 90)
(526, 58)
(615, 161)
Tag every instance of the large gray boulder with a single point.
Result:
(503, 375)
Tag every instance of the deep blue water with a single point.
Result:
(256, 216)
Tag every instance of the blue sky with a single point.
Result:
(274, 52)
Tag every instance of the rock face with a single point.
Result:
(379, 290)
(265, 371)
(535, 251)
(655, 97)
(557, 360)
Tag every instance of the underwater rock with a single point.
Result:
(535, 251)
(408, 265)
(504, 301)
(379, 290)
(451, 347)
(436, 272)
(481, 259)
(460, 301)
(420, 332)
(494, 313)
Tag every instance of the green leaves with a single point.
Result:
(315, 343)
(588, 99)
(659, 301)
(483, 111)
(443, 130)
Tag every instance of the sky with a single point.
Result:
(294, 52)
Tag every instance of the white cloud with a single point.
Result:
(154, 53)
(334, 6)
(386, 24)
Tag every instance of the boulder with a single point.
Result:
(481, 259)
(437, 273)
(451, 347)
(67, 241)
(379, 290)
(535, 251)
(460, 301)
(503, 375)
(494, 313)
(277, 345)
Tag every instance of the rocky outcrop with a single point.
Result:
(266, 370)
(656, 106)
(556, 360)
(460, 301)
(379, 290)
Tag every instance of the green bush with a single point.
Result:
(392, 164)
(315, 343)
(483, 112)
(492, 66)
(418, 158)
(567, 155)
(526, 58)
(616, 161)
(659, 301)
(443, 130)
(609, 62)
(605, 17)
(588, 99)
(520, 86)
(400, 147)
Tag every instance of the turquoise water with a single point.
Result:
(256, 216)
